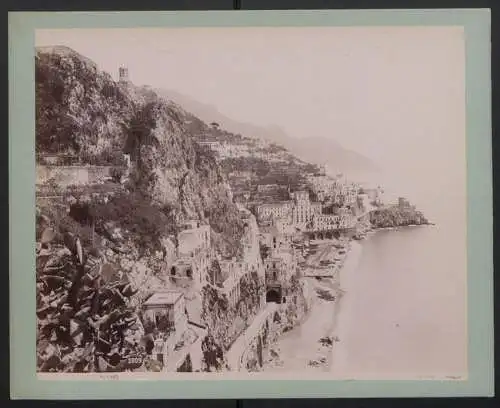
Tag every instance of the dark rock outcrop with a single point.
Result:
(395, 216)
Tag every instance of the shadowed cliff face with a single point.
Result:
(83, 112)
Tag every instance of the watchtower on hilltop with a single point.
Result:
(123, 75)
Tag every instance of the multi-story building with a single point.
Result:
(304, 210)
(323, 186)
(278, 210)
(209, 144)
(194, 255)
(232, 272)
(279, 267)
(326, 222)
(297, 212)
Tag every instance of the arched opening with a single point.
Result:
(189, 273)
(273, 295)
(173, 271)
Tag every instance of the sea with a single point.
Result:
(404, 313)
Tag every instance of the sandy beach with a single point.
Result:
(309, 346)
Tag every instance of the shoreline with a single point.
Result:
(350, 265)
(326, 357)
(319, 322)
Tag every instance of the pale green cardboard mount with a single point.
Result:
(24, 383)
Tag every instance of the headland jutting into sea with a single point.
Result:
(166, 244)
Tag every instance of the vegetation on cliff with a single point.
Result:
(226, 322)
(85, 321)
(81, 111)
(395, 216)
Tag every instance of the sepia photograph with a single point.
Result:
(259, 202)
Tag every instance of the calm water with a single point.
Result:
(404, 314)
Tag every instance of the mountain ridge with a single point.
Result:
(316, 149)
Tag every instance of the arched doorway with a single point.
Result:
(173, 271)
(273, 295)
(189, 273)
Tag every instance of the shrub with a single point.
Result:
(134, 213)
(187, 365)
(77, 310)
(117, 173)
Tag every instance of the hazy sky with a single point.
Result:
(394, 94)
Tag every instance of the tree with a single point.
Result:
(213, 355)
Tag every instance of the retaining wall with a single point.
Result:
(72, 175)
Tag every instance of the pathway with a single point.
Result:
(245, 339)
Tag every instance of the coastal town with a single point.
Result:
(125, 284)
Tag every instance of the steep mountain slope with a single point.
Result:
(317, 150)
(82, 111)
(79, 110)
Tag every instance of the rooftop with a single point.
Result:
(163, 298)
(269, 229)
(275, 203)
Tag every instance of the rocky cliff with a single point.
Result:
(81, 111)
(395, 216)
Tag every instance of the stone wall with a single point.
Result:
(285, 317)
(71, 175)
(253, 356)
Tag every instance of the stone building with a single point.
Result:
(232, 272)
(304, 210)
(326, 222)
(322, 186)
(297, 212)
(279, 268)
(166, 311)
(403, 203)
(281, 210)
(194, 255)
(123, 77)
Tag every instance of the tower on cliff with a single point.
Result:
(123, 75)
